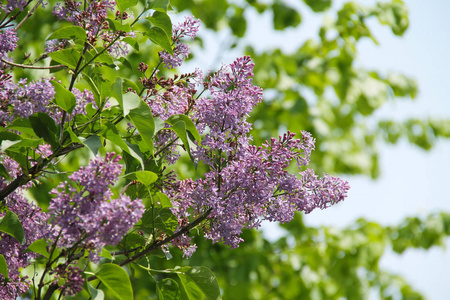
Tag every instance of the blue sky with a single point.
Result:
(413, 182)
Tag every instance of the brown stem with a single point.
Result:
(31, 67)
(28, 15)
(51, 289)
(158, 244)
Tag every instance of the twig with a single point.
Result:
(158, 244)
(28, 15)
(31, 67)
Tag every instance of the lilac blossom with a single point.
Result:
(84, 212)
(172, 102)
(176, 98)
(189, 27)
(92, 18)
(246, 184)
(72, 278)
(24, 99)
(13, 4)
(34, 223)
(55, 45)
(8, 41)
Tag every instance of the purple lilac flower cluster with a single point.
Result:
(84, 212)
(34, 223)
(189, 27)
(93, 19)
(69, 278)
(13, 4)
(177, 97)
(8, 41)
(246, 184)
(24, 99)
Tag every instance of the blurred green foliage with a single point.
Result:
(318, 263)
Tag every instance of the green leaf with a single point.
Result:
(133, 239)
(146, 177)
(190, 126)
(63, 97)
(116, 91)
(199, 281)
(168, 289)
(93, 143)
(111, 133)
(142, 118)
(45, 127)
(238, 25)
(69, 33)
(116, 279)
(67, 57)
(159, 37)
(3, 267)
(130, 102)
(23, 125)
(284, 16)
(132, 42)
(3, 172)
(106, 254)
(96, 294)
(161, 20)
(166, 221)
(163, 199)
(94, 88)
(124, 4)
(39, 246)
(130, 84)
(117, 26)
(318, 5)
(11, 225)
(180, 129)
(8, 139)
(159, 5)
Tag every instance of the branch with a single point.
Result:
(28, 15)
(158, 244)
(31, 67)
(24, 178)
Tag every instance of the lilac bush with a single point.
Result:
(119, 208)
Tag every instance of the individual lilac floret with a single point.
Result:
(189, 27)
(84, 211)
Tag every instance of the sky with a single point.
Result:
(413, 182)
